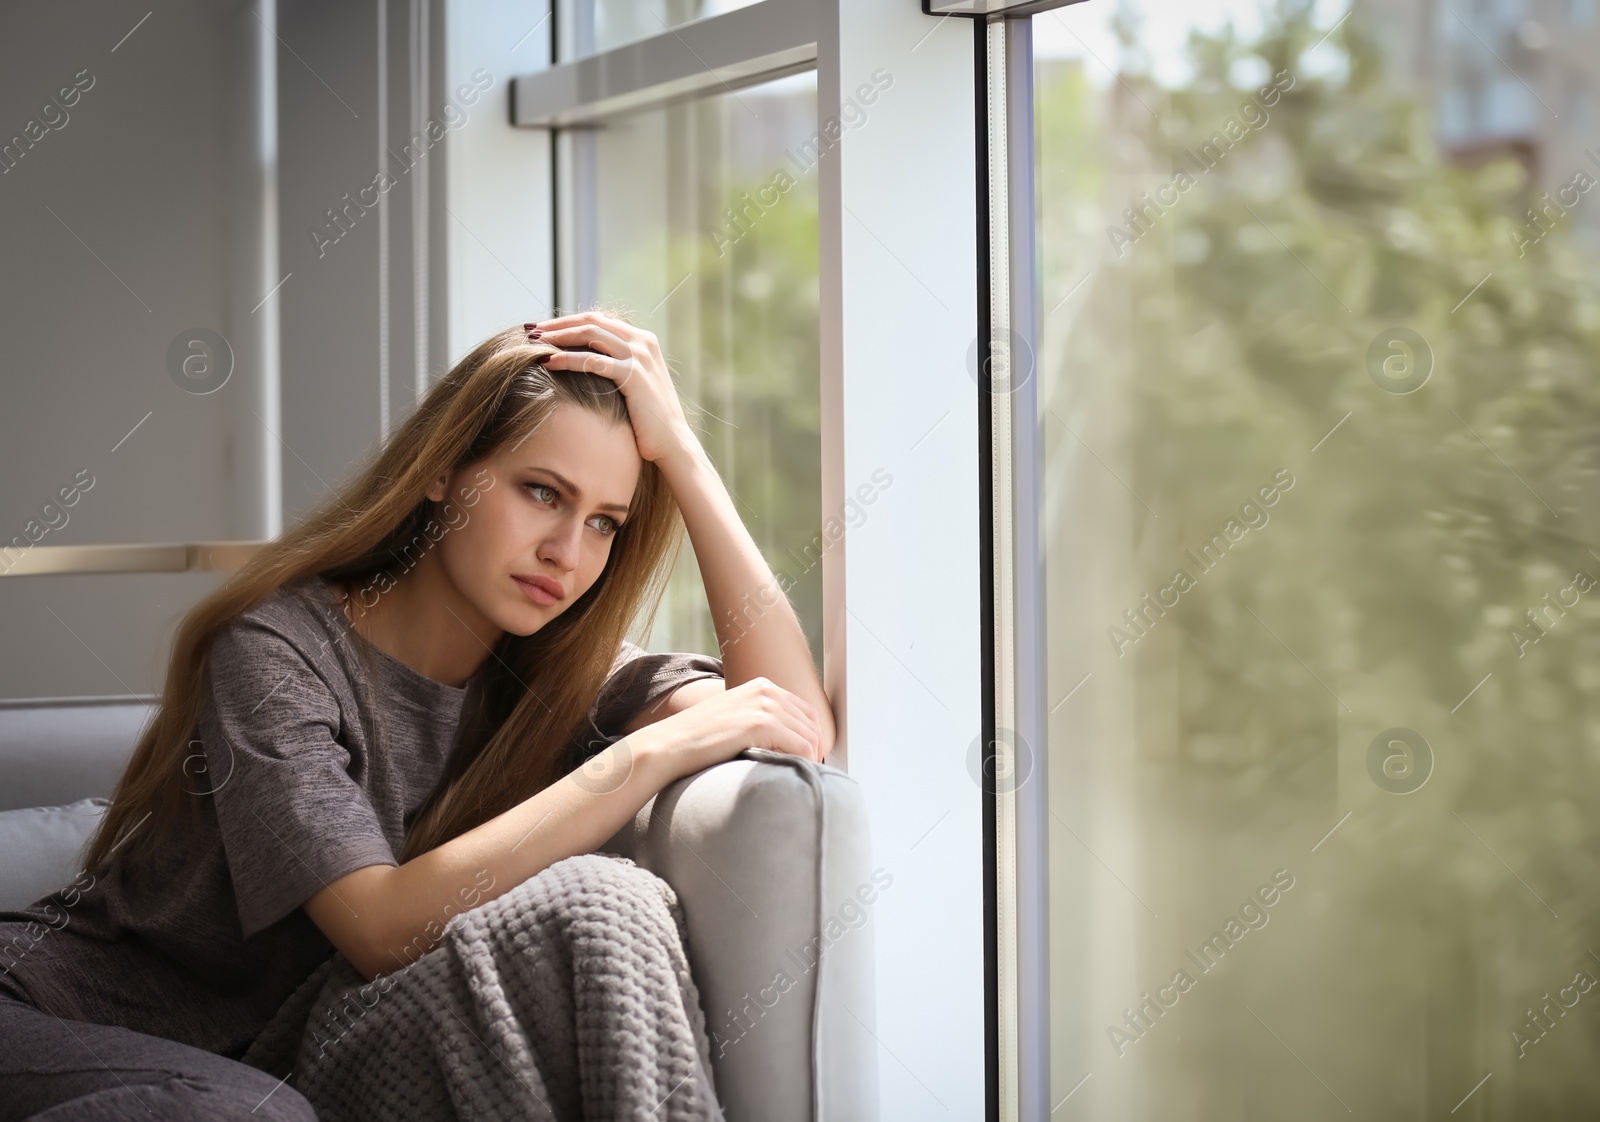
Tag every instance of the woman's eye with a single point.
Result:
(608, 525)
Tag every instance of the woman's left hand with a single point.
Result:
(631, 357)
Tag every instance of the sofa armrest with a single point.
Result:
(770, 857)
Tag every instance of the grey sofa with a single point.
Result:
(769, 855)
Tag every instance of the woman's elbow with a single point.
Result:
(826, 743)
(349, 915)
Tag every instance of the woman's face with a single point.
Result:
(544, 511)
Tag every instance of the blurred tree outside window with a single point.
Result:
(1321, 416)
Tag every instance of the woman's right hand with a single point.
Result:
(758, 713)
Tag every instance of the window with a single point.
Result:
(591, 26)
(1322, 590)
(703, 227)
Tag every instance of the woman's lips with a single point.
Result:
(542, 591)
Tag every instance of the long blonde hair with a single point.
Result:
(511, 743)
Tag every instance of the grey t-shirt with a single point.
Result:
(205, 941)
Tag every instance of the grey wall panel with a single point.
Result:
(114, 218)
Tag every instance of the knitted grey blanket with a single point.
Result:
(567, 997)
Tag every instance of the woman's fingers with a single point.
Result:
(790, 717)
(800, 744)
(804, 723)
(591, 327)
(618, 370)
(799, 720)
(618, 351)
(767, 687)
(613, 336)
(595, 335)
(807, 711)
(796, 737)
(570, 318)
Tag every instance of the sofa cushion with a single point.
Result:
(41, 846)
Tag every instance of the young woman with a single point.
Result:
(414, 700)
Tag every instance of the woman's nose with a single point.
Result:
(561, 549)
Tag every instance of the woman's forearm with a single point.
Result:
(758, 633)
(574, 815)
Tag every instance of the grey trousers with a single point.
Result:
(55, 1070)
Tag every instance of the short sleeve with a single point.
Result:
(638, 679)
(291, 816)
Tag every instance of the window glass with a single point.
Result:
(704, 224)
(1318, 387)
(591, 26)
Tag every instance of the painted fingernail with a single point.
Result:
(529, 326)
(534, 334)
